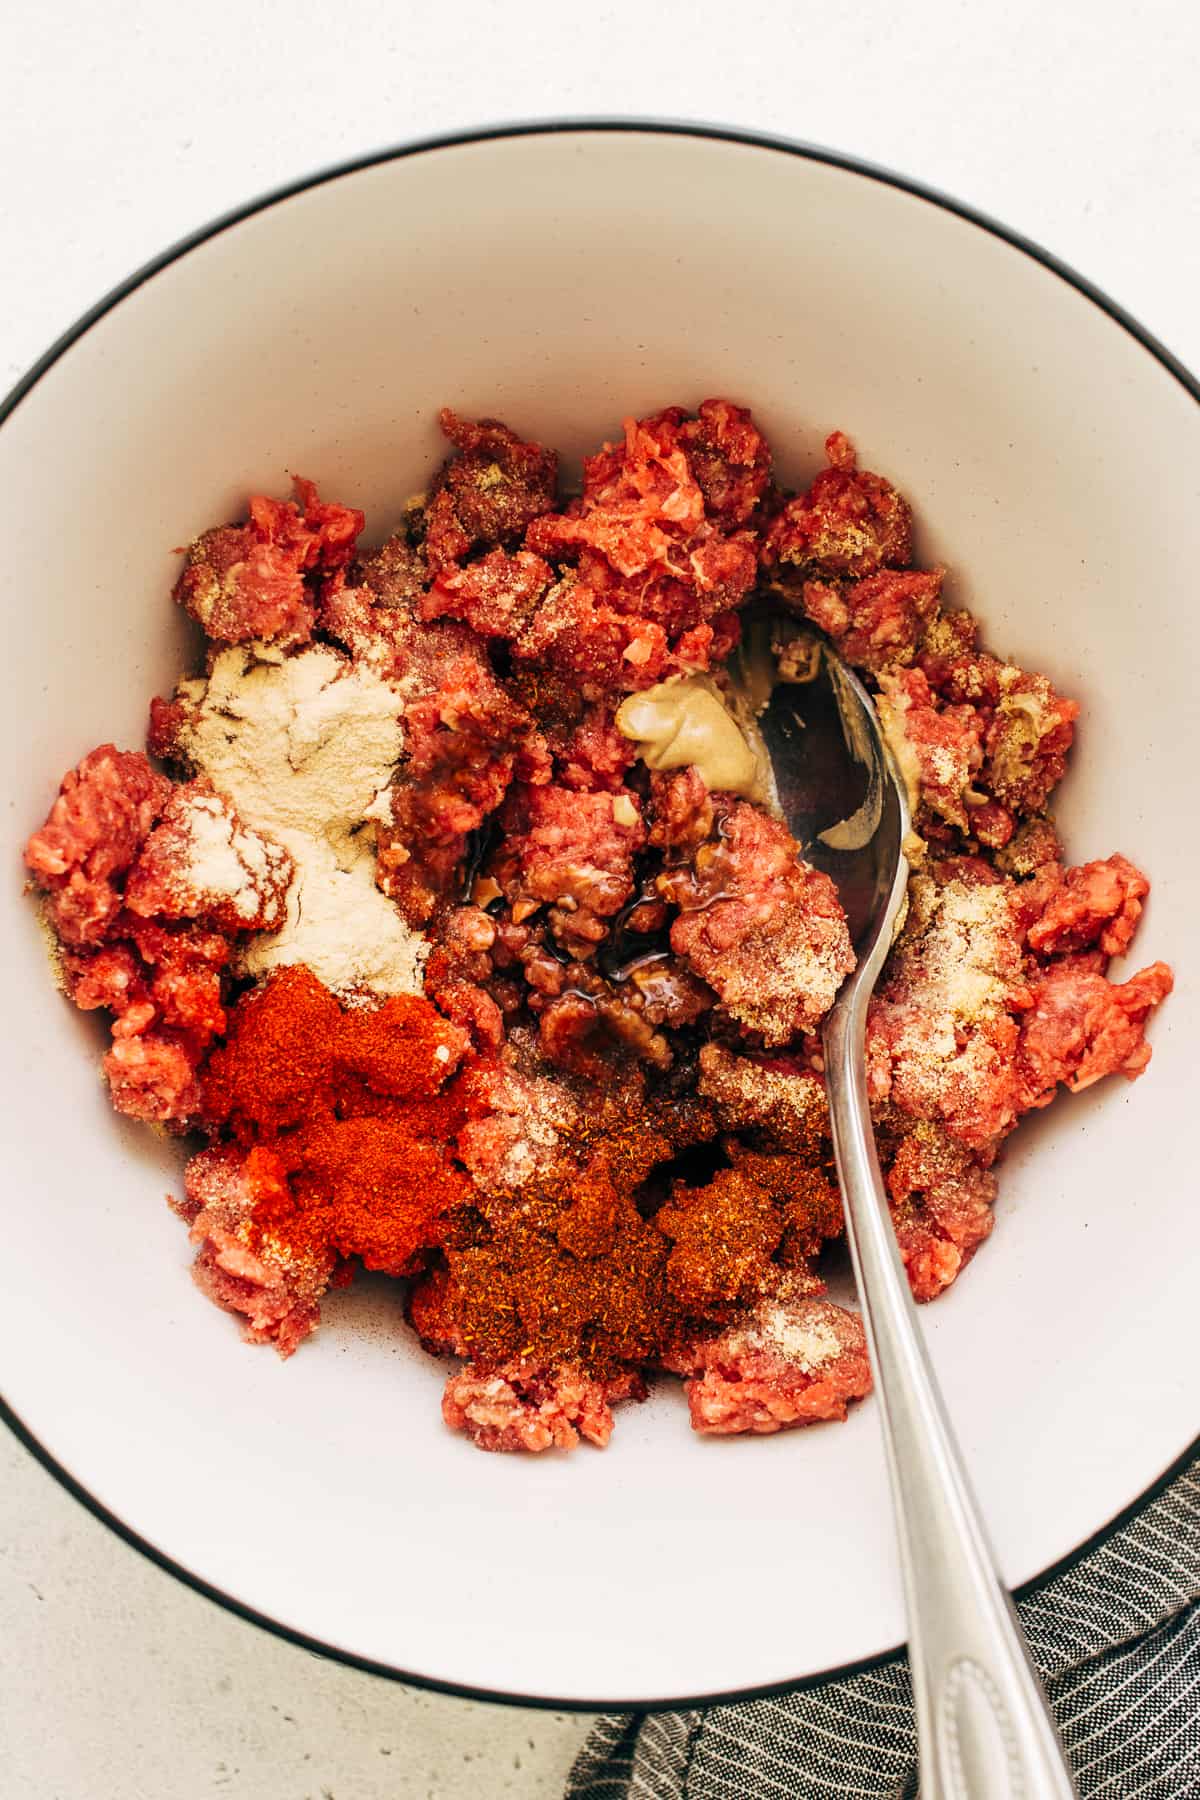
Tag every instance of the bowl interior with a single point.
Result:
(559, 281)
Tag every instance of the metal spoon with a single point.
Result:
(983, 1728)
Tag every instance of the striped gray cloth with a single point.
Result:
(1116, 1638)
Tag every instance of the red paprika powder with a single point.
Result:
(348, 1111)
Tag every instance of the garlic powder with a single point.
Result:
(305, 746)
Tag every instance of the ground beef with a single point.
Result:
(587, 630)
(1082, 1027)
(978, 766)
(591, 754)
(463, 751)
(183, 968)
(659, 569)
(643, 511)
(631, 972)
(951, 661)
(257, 580)
(878, 622)
(790, 1359)
(152, 976)
(201, 862)
(764, 930)
(942, 745)
(682, 811)
(496, 596)
(278, 1295)
(941, 1031)
(488, 491)
(105, 811)
(570, 852)
(942, 1200)
(125, 923)
(1099, 903)
(783, 1100)
(1027, 740)
(396, 575)
(730, 460)
(848, 523)
(1034, 845)
(528, 1119)
(967, 1032)
(664, 992)
(460, 971)
(467, 736)
(422, 659)
(522, 1407)
(152, 1075)
(1025, 726)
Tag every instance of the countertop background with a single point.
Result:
(126, 125)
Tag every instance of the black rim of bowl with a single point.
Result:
(421, 146)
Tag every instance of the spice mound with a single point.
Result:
(449, 908)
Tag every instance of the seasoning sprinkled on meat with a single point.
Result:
(764, 930)
(878, 622)
(791, 1359)
(785, 1102)
(489, 490)
(201, 862)
(522, 1408)
(256, 580)
(277, 1293)
(849, 522)
(941, 1033)
(458, 983)
(941, 1205)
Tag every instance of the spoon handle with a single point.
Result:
(983, 1728)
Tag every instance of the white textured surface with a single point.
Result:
(125, 126)
(121, 1684)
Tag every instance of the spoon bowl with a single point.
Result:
(837, 790)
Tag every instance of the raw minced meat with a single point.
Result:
(849, 523)
(571, 852)
(941, 1197)
(660, 559)
(275, 1292)
(519, 1408)
(783, 1100)
(256, 580)
(147, 886)
(875, 623)
(763, 929)
(1099, 903)
(597, 1145)
(792, 1358)
(1081, 1027)
(496, 596)
(488, 492)
(105, 811)
(968, 1029)
(201, 862)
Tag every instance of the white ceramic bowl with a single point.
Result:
(559, 278)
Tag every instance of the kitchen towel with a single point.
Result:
(1116, 1637)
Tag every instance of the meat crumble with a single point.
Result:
(452, 984)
